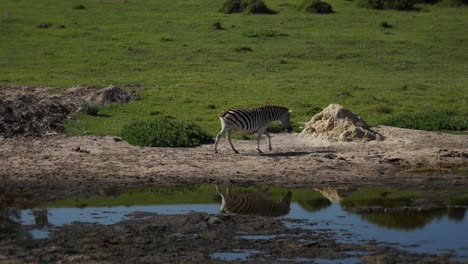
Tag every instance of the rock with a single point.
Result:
(339, 123)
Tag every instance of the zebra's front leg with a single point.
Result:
(230, 141)
(220, 134)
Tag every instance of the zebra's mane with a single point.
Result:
(263, 107)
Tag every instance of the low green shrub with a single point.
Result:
(89, 108)
(435, 120)
(164, 132)
(385, 24)
(217, 26)
(316, 6)
(78, 7)
(388, 4)
(246, 6)
(457, 3)
(265, 34)
(243, 49)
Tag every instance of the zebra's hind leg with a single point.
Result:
(269, 140)
(259, 136)
(230, 141)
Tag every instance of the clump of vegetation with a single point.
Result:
(385, 24)
(265, 34)
(382, 109)
(316, 6)
(89, 108)
(457, 3)
(164, 132)
(435, 120)
(246, 6)
(388, 4)
(243, 49)
(217, 26)
(44, 25)
(78, 7)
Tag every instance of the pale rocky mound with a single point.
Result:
(339, 123)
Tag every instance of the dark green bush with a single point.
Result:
(247, 6)
(78, 7)
(388, 4)
(316, 6)
(164, 132)
(457, 3)
(265, 34)
(436, 120)
(243, 49)
(385, 24)
(217, 26)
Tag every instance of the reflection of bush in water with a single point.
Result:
(404, 220)
(456, 214)
(9, 223)
(314, 205)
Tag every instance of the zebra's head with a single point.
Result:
(286, 121)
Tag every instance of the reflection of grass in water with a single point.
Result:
(405, 220)
(314, 205)
(460, 200)
(190, 194)
(379, 196)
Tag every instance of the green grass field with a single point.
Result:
(192, 71)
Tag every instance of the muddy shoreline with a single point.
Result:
(198, 238)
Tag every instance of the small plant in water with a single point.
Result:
(89, 108)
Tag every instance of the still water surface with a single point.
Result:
(436, 232)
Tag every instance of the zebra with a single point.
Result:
(251, 121)
(253, 203)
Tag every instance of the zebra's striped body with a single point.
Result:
(254, 204)
(253, 120)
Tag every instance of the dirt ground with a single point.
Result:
(60, 166)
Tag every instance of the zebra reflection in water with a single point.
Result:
(253, 203)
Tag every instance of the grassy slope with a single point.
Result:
(170, 47)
